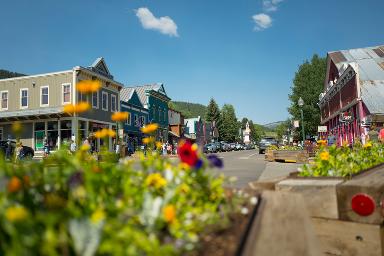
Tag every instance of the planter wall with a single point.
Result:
(295, 156)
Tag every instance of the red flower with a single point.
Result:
(187, 153)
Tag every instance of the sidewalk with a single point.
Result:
(276, 169)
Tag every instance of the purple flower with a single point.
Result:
(198, 164)
(215, 161)
(75, 179)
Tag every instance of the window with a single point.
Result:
(44, 96)
(24, 98)
(160, 115)
(66, 93)
(4, 100)
(165, 115)
(142, 121)
(1, 133)
(113, 103)
(136, 120)
(128, 121)
(154, 112)
(104, 101)
(95, 99)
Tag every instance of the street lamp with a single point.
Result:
(301, 104)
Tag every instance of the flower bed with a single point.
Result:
(344, 161)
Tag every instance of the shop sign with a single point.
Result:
(296, 123)
(346, 117)
(322, 129)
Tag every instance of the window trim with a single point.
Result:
(136, 124)
(129, 119)
(1, 100)
(142, 120)
(97, 100)
(114, 96)
(62, 93)
(21, 98)
(41, 95)
(106, 103)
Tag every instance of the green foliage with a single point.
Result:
(282, 128)
(308, 84)
(344, 161)
(213, 112)
(228, 128)
(9, 74)
(75, 205)
(189, 110)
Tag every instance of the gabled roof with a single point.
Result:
(130, 96)
(370, 61)
(141, 91)
(99, 66)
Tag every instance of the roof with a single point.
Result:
(126, 93)
(140, 90)
(370, 61)
(369, 64)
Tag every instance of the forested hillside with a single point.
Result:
(8, 74)
(189, 110)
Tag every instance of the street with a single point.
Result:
(249, 165)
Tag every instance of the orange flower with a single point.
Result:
(14, 184)
(119, 116)
(149, 128)
(88, 86)
(26, 180)
(169, 213)
(78, 108)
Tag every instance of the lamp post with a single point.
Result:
(301, 104)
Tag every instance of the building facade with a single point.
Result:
(198, 131)
(155, 100)
(38, 102)
(137, 118)
(176, 126)
(353, 96)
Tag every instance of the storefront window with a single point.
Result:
(82, 130)
(39, 135)
(65, 131)
(53, 134)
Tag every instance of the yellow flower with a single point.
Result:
(155, 180)
(169, 213)
(16, 213)
(184, 166)
(324, 156)
(97, 216)
(85, 147)
(159, 144)
(105, 133)
(16, 127)
(148, 140)
(194, 147)
(149, 128)
(88, 86)
(119, 116)
(78, 108)
(368, 145)
(184, 188)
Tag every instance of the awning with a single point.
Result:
(33, 114)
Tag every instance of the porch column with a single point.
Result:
(58, 133)
(86, 128)
(74, 130)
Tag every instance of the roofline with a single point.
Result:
(80, 68)
(375, 46)
(38, 75)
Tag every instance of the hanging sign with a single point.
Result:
(296, 123)
(346, 117)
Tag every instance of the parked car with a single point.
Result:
(249, 146)
(265, 143)
(225, 146)
(239, 146)
(210, 148)
(219, 147)
(25, 152)
(233, 146)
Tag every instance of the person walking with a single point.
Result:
(8, 150)
(19, 147)
(381, 135)
(72, 147)
(373, 134)
(46, 146)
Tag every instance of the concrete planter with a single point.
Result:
(291, 156)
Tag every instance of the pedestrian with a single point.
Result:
(363, 138)
(46, 146)
(8, 150)
(381, 135)
(331, 139)
(164, 149)
(72, 147)
(19, 147)
(86, 144)
(373, 134)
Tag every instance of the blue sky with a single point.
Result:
(242, 52)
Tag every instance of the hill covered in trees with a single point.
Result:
(8, 74)
(188, 109)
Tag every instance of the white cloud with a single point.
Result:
(262, 21)
(271, 5)
(164, 25)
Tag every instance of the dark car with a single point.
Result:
(210, 148)
(265, 143)
(233, 146)
(219, 147)
(225, 146)
(25, 152)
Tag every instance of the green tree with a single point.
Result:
(308, 84)
(259, 132)
(213, 113)
(228, 128)
(282, 129)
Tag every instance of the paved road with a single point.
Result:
(248, 165)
